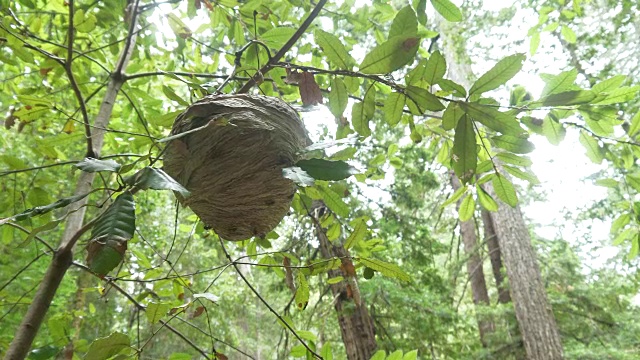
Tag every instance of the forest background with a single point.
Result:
(438, 122)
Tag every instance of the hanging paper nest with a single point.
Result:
(232, 161)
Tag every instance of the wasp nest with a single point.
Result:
(232, 161)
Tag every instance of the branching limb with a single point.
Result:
(286, 47)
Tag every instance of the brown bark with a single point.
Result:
(533, 311)
(475, 270)
(356, 324)
(495, 256)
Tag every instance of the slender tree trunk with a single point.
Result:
(475, 270)
(495, 256)
(533, 311)
(63, 257)
(356, 324)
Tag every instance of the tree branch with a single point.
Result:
(62, 259)
(283, 321)
(74, 85)
(286, 47)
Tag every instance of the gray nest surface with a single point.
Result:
(233, 165)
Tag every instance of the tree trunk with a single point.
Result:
(533, 311)
(356, 325)
(63, 257)
(475, 270)
(495, 256)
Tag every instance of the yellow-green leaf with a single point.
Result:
(338, 97)
(447, 9)
(334, 50)
(466, 209)
(393, 106)
(502, 72)
(391, 55)
(504, 190)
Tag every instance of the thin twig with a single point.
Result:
(285, 48)
(74, 85)
(246, 281)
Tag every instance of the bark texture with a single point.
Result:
(495, 256)
(533, 311)
(356, 324)
(475, 270)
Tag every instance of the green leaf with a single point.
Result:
(275, 38)
(514, 159)
(635, 248)
(455, 88)
(299, 176)
(451, 115)
(338, 97)
(420, 100)
(486, 201)
(568, 34)
(302, 291)
(44, 353)
(553, 130)
(502, 72)
(118, 221)
(455, 196)
(390, 55)
(635, 125)
(386, 269)
(620, 95)
(326, 352)
(329, 170)
(436, 68)
(106, 347)
(358, 234)
(448, 10)
(369, 102)
(156, 311)
(609, 84)
(335, 280)
(405, 23)
(559, 83)
(411, 355)
(84, 23)
(524, 175)
(493, 119)
(334, 201)
(95, 165)
(396, 355)
(334, 50)
(504, 190)
(610, 183)
(567, 98)
(156, 179)
(594, 151)
(393, 106)
(465, 158)
(105, 253)
(359, 120)
(379, 355)
(179, 28)
(168, 92)
(467, 208)
(513, 144)
(634, 181)
(534, 43)
(619, 223)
